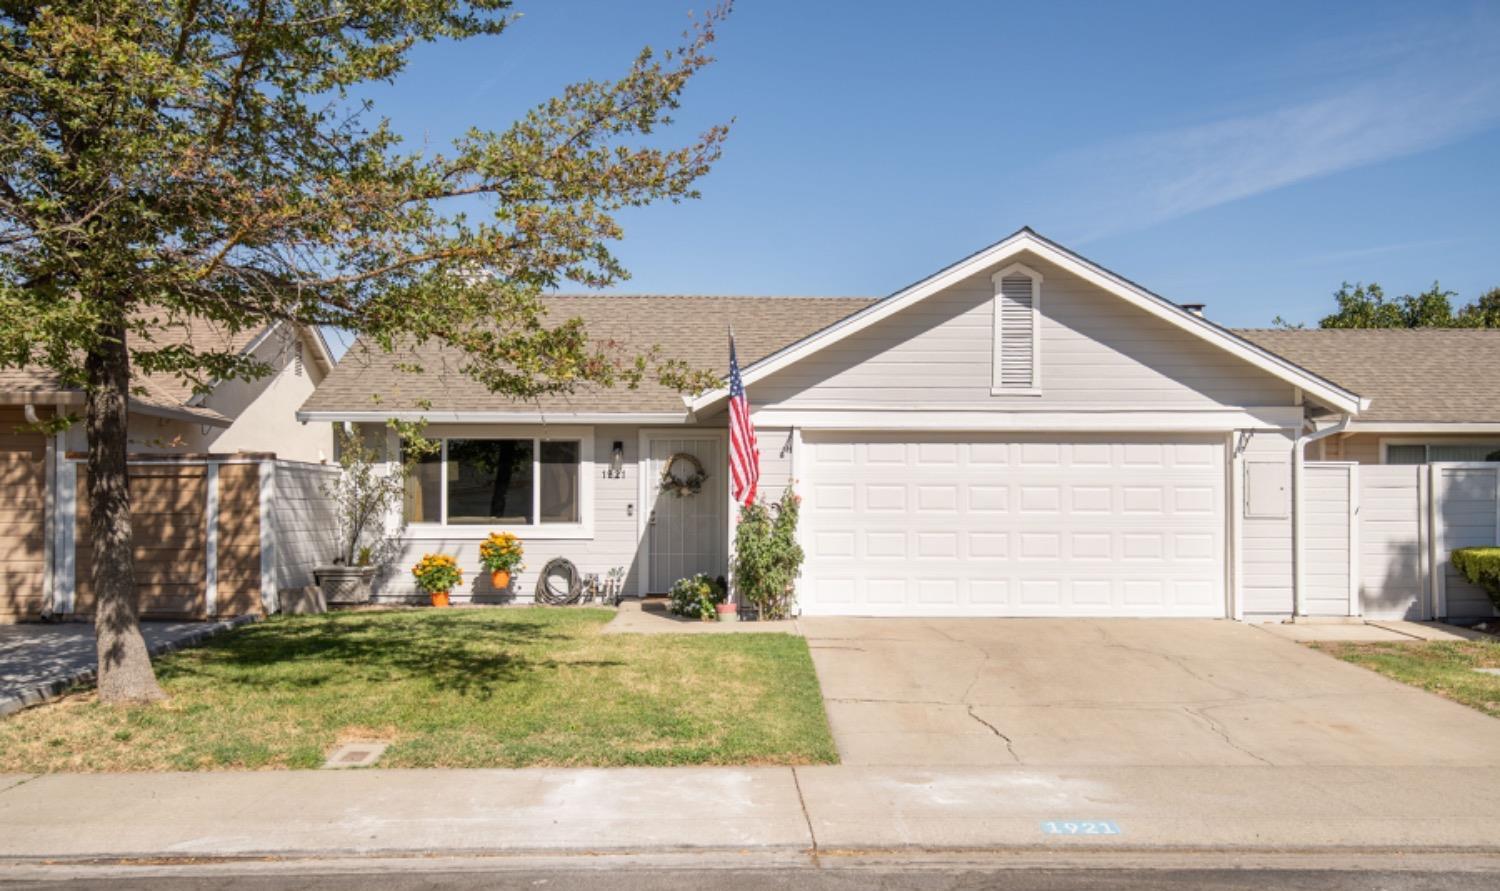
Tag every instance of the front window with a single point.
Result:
(497, 482)
(1426, 453)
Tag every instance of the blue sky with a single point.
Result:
(1248, 156)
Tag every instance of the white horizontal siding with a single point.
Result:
(1266, 544)
(1096, 350)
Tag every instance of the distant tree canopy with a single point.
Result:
(1366, 306)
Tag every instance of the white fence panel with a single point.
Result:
(1393, 518)
(1466, 512)
(1330, 539)
(304, 520)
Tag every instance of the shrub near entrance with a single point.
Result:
(1482, 567)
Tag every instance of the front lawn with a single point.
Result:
(1442, 667)
(448, 688)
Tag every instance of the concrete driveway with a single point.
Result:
(1122, 692)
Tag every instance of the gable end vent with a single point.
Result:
(1017, 332)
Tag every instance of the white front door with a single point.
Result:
(959, 525)
(685, 534)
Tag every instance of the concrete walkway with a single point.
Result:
(1122, 692)
(744, 810)
(651, 617)
(1371, 631)
(39, 662)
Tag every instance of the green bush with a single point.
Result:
(1482, 567)
(767, 558)
(696, 597)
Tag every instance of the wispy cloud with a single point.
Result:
(1378, 250)
(1441, 89)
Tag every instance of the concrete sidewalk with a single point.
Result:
(76, 817)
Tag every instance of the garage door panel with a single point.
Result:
(944, 526)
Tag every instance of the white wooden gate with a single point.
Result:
(1330, 538)
(1394, 523)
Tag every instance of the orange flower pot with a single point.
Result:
(439, 598)
(500, 579)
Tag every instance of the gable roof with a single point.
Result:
(163, 395)
(1026, 240)
(1424, 375)
(371, 384)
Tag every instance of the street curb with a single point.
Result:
(1058, 854)
(38, 694)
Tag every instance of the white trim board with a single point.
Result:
(1028, 241)
(1418, 428)
(1031, 421)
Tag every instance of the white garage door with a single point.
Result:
(953, 526)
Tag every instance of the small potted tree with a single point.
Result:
(365, 496)
(501, 555)
(437, 575)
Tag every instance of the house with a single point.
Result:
(1021, 433)
(178, 442)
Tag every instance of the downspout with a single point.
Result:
(1299, 448)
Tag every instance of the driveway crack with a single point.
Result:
(1223, 733)
(1009, 746)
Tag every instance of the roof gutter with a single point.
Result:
(1424, 426)
(1299, 566)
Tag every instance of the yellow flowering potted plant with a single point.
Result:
(501, 555)
(437, 575)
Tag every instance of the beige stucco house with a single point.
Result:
(1021, 433)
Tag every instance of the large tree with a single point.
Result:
(1366, 306)
(162, 160)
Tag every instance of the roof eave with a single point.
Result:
(339, 416)
(1449, 427)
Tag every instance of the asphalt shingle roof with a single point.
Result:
(693, 329)
(1433, 375)
(1439, 375)
(153, 390)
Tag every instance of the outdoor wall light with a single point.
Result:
(617, 460)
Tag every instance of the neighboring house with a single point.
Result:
(1433, 391)
(1022, 433)
(166, 417)
(43, 533)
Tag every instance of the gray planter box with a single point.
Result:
(345, 585)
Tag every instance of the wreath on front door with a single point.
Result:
(683, 475)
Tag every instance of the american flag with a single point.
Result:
(744, 451)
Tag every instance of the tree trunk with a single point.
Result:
(125, 673)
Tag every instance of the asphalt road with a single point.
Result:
(929, 877)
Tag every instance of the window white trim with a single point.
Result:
(537, 530)
(997, 388)
(1428, 442)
